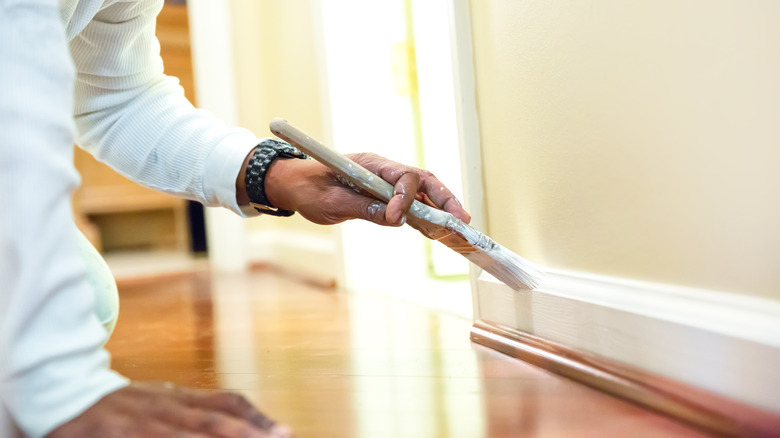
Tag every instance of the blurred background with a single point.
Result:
(390, 92)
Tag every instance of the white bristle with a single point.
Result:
(515, 271)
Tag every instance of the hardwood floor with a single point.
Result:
(352, 365)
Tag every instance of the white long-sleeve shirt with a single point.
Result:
(95, 63)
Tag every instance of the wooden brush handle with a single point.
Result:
(432, 222)
(355, 173)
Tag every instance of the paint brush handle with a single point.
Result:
(433, 223)
(355, 173)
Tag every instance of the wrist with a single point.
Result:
(277, 181)
(270, 153)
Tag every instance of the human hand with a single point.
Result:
(146, 410)
(317, 193)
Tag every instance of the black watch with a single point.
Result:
(262, 157)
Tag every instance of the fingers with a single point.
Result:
(216, 424)
(404, 193)
(442, 197)
(233, 404)
(409, 182)
(354, 205)
(224, 415)
(165, 410)
(324, 197)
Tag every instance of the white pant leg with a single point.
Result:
(103, 283)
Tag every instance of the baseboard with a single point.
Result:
(725, 344)
(701, 409)
(310, 256)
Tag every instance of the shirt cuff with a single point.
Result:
(42, 405)
(221, 169)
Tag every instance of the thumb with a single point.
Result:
(366, 208)
(372, 210)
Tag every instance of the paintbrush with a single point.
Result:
(435, 224)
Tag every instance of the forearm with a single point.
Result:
(134, 118)
(159, 140)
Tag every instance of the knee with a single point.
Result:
(102, 281)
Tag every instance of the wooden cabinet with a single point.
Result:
(117, 214)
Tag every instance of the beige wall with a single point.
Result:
(277, 75)
(634, 139)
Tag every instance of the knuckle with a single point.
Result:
(207, 422)
(156, 401)
(362, 156)
(373, 209)
(232, 400)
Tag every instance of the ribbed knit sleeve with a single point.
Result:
(137, 120)
(52, 364)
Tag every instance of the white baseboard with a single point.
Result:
(312, 256)
(725, 343)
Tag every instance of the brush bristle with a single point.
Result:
(515, 271)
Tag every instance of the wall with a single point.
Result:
(277, 75)
(634, 139)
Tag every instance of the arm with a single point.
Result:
(54, 374)
(52, 363)
(315, 191)
(134, 118)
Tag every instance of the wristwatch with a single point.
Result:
(266, 152)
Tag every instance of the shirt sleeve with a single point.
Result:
(133, 117)
(52, 364)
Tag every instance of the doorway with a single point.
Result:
(391, 92)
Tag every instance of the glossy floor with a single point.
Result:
(352, 365)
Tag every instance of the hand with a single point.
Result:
(144, 410)
(314, 191)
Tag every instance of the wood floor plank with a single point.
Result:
(352, 365)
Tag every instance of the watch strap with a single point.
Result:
(263, 156)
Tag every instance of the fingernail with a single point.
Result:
(396, 221)
(403, 219)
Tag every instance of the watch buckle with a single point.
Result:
(263, 207)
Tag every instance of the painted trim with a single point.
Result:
(720, 342)
(467, 118)
(683, 402)
(466, 110)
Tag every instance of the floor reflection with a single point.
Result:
(165, 331)
(351, 365)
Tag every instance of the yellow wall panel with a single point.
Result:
(634, 139)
